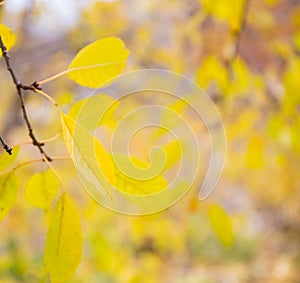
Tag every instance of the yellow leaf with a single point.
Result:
(212, 72)
(172, 151)
(41, 189)
(89, 156)
(137, 186)
(221, 224)
(8, 37)
(93, 111)
(255, 153)
(228, 10)
(8, 193)
(63, 248)
(7, 160)
(98, 62)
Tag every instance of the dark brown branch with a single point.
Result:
(20, 87)
(6, 147)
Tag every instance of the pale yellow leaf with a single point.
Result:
(8, 193)
(41, 189)
(144, 185)
(172, 151)
(93, 111)
(98, 62)
(63, 248)
(89, 156)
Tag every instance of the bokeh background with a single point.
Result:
(245, 54)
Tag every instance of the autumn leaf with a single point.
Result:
(88, 155)
(63, 249)
(41, 189)
(8, 193)
(98, 62)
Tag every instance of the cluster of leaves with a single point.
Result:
(93, 66)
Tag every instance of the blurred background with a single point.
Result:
(245, 54)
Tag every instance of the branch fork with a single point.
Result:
(20, 87)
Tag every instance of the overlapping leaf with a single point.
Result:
(41, 189)
(88, 155)
(93, 111)
(141, 186)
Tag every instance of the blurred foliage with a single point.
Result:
(256, 89)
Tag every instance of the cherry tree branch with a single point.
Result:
(6, 147)
(20, 88)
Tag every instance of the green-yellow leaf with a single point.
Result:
(137, 186)
(8, 37)
(63, 248)
(221, 224)
(41, 189)
(7, 160)
(89, 156)
(93, 111)
(173, 152)
(98, 62)
(8, 193)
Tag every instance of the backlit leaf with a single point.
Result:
(7, 160)
(8, 193)
(41, 189)
(99, 62)
(88, 154)
(137, 186)
(8, 37)
(88, 111)
(63, 248)
(172, 151)
(221, 224)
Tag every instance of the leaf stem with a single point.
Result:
(52, 77)
(32, 162)
(47, 96)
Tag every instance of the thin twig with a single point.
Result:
(53, 77)
(237, 40)
(20, 165)
(20, 87)
(42, 141)
(242, 28)
(6, 147)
